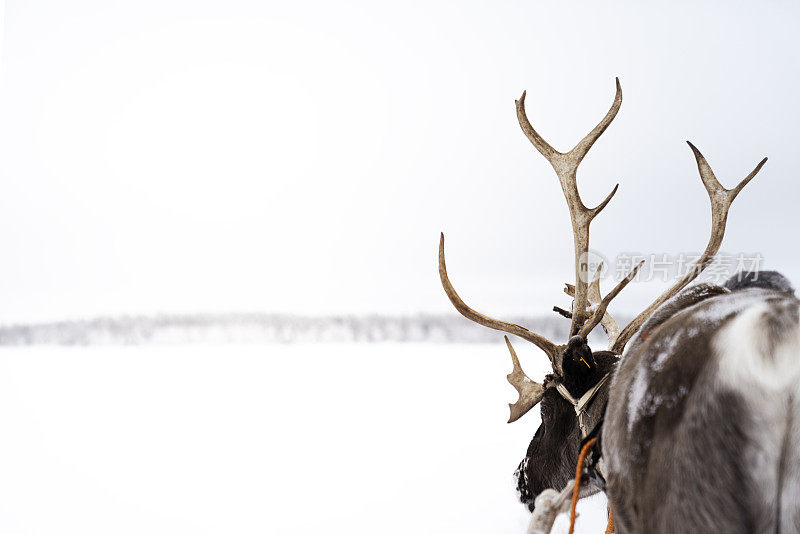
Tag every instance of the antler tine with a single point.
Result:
(600, 313)
(574, 157)
(550, 153)
(550, 348)
(597, 209)
(530, 392)
(582, 148)
(566, 165)
(610, 325)
(710, 181)
(721, 200)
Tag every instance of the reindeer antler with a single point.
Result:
(530, 392)
(721, 200)
(551, 349)
(595, 298)
(600, 313)
(583, 318)
(566, 167)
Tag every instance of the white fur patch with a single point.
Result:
(745, 356)
(765, 374)
(636, 396)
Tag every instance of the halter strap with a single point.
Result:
(581, 404)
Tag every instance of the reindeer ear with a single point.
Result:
(577, 358)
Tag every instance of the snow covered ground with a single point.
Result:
(356, 438)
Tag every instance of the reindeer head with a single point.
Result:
(572, 397)
(553, 451)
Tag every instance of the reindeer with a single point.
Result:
(696, 402)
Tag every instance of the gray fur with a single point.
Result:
(701, 431)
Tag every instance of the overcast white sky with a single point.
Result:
(172, 156)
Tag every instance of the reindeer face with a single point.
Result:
(553, 452)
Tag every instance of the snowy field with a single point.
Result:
(356, 438)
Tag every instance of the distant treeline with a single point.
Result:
(268, 328)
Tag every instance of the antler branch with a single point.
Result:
(550, 348)
(530, 392)
(566, 166)
(721, 200)
(600, 313)
(595, 298)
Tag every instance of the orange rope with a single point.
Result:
(610, 526)
(577, 489)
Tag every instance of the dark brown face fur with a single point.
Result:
(553, 452)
